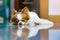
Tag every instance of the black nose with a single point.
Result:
(20, 24)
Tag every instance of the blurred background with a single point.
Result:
(47, 9)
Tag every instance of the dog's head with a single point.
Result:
(25, 14)
(21, 17)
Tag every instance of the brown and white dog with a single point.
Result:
(20, 19)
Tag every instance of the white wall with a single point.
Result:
(54, 7)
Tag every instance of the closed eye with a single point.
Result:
(22, 20)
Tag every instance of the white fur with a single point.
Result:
(45, 24)
(19, 17)
(23, 23)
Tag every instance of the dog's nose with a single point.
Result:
(20, 24)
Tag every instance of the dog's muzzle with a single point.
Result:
(21, 24)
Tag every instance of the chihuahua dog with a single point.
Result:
(20, 19)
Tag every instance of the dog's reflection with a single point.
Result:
(20, 30)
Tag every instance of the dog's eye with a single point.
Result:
(22, 20)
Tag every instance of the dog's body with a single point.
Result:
(26, 17)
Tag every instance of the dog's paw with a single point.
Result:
(35, 23)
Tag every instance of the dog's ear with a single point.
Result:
(14, 12)
(13, 16)
(24, 10)
(25, 14)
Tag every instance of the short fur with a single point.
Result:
(25, 14)
(13, 17)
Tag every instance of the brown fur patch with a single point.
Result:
(25, 14)
(13, 16)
